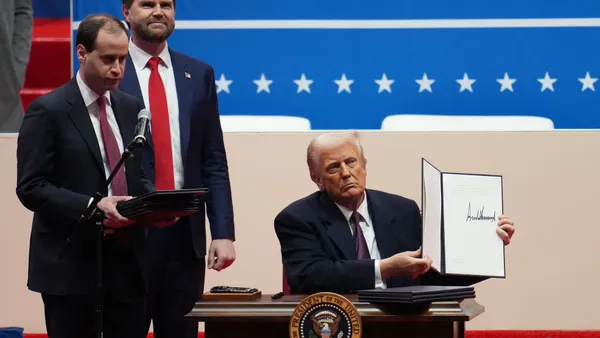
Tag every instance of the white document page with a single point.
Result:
(432, 214)
(472, 205)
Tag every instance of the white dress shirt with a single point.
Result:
(140, 61)
(90, 99)
(369, 232)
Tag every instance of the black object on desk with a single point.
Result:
(224, 293)
(417, 294)
(232, 289)
(414, 299)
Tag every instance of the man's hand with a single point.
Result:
(166, 223)
(406, 264)
(109, 206)
(221, 254)
(506, 228)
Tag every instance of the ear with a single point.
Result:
(364, 164)
(317, 179)
(81, 53)
(125, 12)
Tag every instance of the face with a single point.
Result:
(342, 172)
(151, 20)
(103, 68)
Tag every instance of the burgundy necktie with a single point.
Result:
(161, 129)
(113, 154)
(360, 244)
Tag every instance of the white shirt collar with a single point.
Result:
(89, 96)
(363, 210)
(140, 58)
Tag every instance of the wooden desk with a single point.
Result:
(266, 318)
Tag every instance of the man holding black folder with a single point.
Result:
(345, 237)
(69, 143)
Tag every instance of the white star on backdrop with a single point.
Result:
(588, 82)
(466, 83)
(343, 84)
(506, 82)
(384, 84)
(303, 84)
(223, 84)
(547, 82)
(425, 83)
(263, 84)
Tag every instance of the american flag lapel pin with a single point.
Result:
(187, 75)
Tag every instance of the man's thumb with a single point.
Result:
(415, 254)
(122, 198)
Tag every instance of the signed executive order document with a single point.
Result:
(460, 217)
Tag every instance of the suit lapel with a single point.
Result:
(81, 119)
(125, 129)
(184, 84)
(382, 220)
(131, 85)
(337, 226)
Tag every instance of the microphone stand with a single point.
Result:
(95, 215)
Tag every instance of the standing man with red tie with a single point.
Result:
(186, 150)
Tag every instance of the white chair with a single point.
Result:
(411, 122)
(264, 123)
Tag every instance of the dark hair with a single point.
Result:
(128, 3)
(88, 29)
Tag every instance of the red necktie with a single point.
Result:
(113, 154)
(161, 129)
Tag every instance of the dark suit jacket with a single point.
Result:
(318, 251)
(59, 167)
(202, 147)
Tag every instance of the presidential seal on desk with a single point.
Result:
(325, 315)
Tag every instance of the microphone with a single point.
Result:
(142, 127)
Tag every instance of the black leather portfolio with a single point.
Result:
(416, 294)
(162, 205)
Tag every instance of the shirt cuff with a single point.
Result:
(379, 284)
(90, 202)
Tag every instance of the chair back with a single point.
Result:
(285, 287)
(251, 123)
(465, 123)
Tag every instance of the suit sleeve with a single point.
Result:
(36, 149)
(215, 172)
(432, 277)
(147, 185)
(307, 266)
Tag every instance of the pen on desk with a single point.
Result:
(277, 295)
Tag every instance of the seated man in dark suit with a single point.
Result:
(318, 247)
